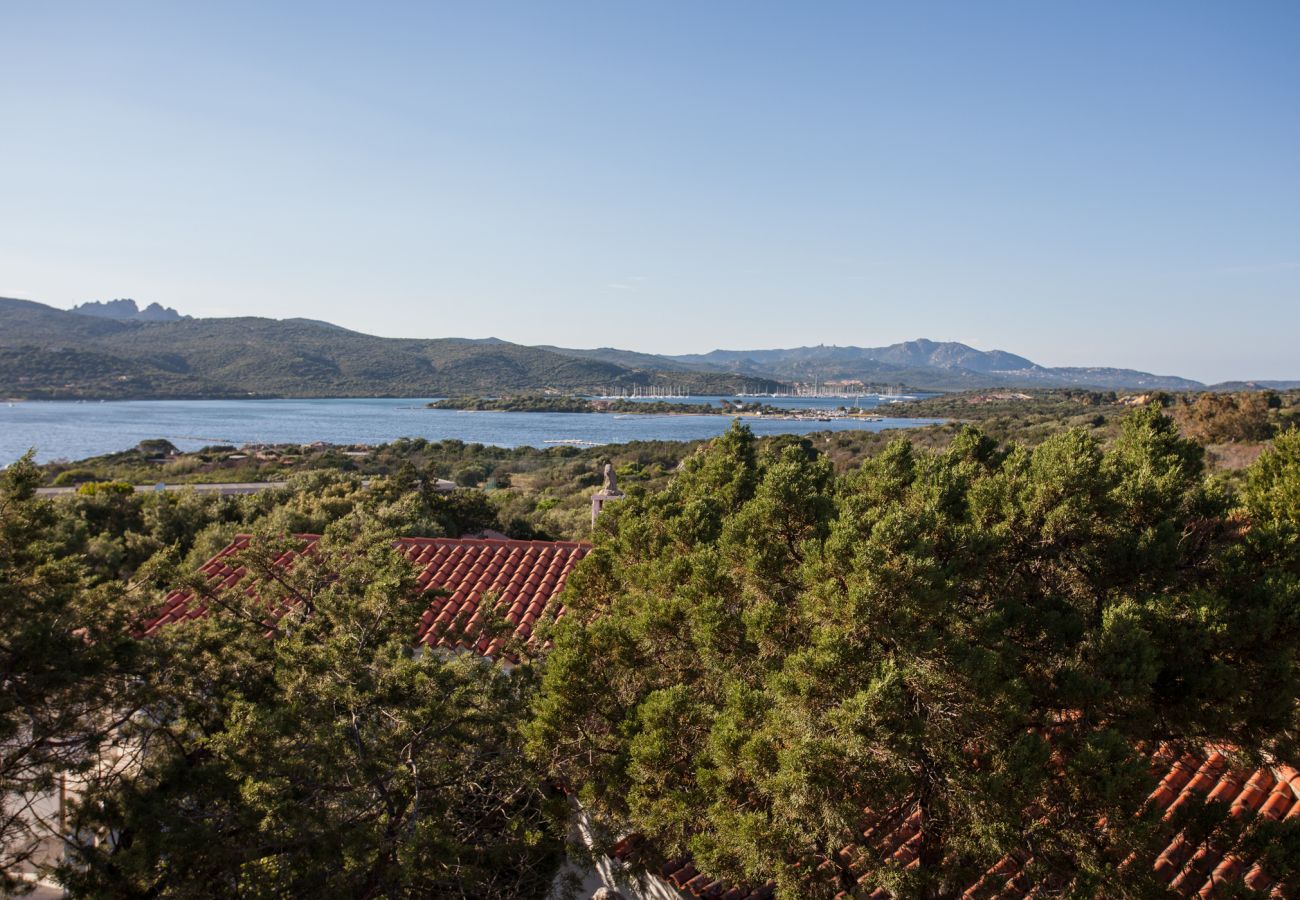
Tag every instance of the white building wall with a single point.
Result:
(607, 875)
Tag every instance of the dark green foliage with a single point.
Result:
(63, 373)
(551, 403)
(66, 657)
(325, 758)
(1273, 485)
(770, 635)
(997, 638)
(980, 405)
(115, 530)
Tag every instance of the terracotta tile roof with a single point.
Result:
(526, 578)
(1190, 868)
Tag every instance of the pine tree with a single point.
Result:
(66, 656)
(764, 659)
(298, 744)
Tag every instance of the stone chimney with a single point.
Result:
(608, 491)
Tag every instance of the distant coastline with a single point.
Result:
(531, 403)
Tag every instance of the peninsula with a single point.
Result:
(569, 404)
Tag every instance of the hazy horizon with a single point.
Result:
(1102, 185)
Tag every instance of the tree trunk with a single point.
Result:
(930, 855)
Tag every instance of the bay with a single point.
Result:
(75, 430)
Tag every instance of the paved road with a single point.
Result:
(229, 487)
(443, 486)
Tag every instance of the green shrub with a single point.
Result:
(75, 476)
(95, 488)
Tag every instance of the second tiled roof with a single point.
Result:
(524, 577)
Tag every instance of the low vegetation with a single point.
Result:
(552, 403)
(541, 403)
(770, 634)
(545, 492)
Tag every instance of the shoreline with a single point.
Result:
(261, 454)
(872, 417)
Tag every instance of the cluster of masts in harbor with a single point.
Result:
(646, 392)
(838, 391)
(817, 388)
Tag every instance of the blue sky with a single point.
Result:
(1082, 183)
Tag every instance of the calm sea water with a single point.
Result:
(76, 430)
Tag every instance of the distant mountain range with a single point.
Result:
(55, 354)
(127, 311)
(920, 364)
(116, 350)
(929, 364)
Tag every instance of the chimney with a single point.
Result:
(608, 491)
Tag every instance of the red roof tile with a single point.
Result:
(524, 577)
(1190, 868)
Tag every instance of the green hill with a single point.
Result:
(53, 353)
(50, 353)
(926, 364)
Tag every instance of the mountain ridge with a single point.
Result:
(951, 364)
(48, 353)
(127, 310)
(52, 353)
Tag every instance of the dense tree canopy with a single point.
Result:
(318, 753)
(996, 639)
(66, 656)
(992, 638)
